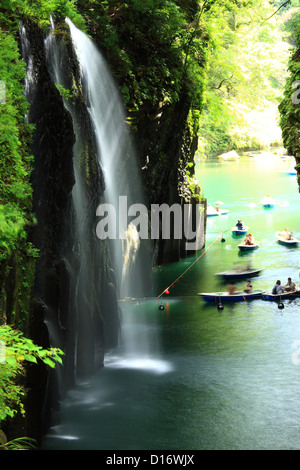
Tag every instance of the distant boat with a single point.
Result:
(239, 273)
(225, 296)
(239, 231)
(211, 212)
(279, 297)
(280, 238)
(267, 202)
(244, 247)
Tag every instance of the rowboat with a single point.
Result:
(225, 296)
(244, 247)
(239, 231)
(279, 297)
(239, 273)
(267, 202)
(211, 212)
(280, 238)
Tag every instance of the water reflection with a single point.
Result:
(149, 364)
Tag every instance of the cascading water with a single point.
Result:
(115, 150)
(29, 84)
(118, 161)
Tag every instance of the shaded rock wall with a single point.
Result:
(78, 305)
(166, 144)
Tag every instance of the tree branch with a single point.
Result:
(221, 83)
(281, 6)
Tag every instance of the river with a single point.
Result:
(192, 376)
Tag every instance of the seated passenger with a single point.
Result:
(249, 240)
(248, 288)
(231, 289)
(290, 286)
(287, 234)
(240, 224)
(278, 289)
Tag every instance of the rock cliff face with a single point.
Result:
(290, 112)
(75, 288)
(166, 144)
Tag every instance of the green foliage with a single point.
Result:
(39, 11)
(15, 159)
(65, 93)
(153, 47)
(245, 78)
(20, 443)
(289, 108)
(15, 351)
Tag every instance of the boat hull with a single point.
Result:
(245, 274)
(237, 232)
(216, 213)
(283, 241)
(243, 247)
(279, 297)
(225, 297)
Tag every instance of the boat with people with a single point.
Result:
(239, 230)
(239, 273)
(279, 297)
(267, 201)
(237, 296)
(212, 212)
(286, 238)
(247, 247)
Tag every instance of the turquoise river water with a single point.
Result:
(192, 377)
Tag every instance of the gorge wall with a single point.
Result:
(290, 111)
(75, 296)
(72, 294)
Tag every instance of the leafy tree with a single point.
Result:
(15, 351)
(245, 78)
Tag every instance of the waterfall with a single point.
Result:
(93, 310)
(29, 84)
(83, 156)
(117, 158)
(116, 152)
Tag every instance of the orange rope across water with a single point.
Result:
(166, 291)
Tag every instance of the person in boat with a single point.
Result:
(287, 235)
(231, 289)
(267, 199)
(217, 208)
(278, 289)
(240, 225)
(249, 240)
(248, 288)
(290, 286)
